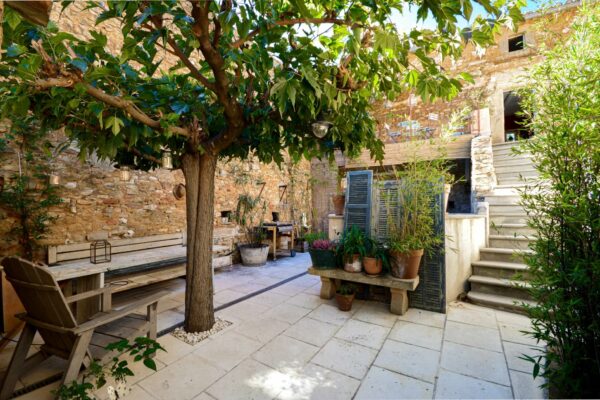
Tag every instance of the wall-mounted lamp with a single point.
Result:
(54, 179)
(167, 159)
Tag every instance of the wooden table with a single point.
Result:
(81, 275)
(273, 231)
(331, 278)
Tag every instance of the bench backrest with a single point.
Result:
(78, 251)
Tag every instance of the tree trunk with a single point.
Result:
(199, 172)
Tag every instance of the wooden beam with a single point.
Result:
(34, 11)
(400, 153)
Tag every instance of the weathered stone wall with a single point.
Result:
(96, 199)
(495, 72)
(324, 185)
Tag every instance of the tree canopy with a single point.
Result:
(234, 77)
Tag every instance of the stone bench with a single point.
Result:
(330, 279)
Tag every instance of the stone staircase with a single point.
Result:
(492, 282)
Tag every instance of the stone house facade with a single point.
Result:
(484, 114)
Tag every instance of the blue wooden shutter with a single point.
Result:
(358, 200)
(431, 292)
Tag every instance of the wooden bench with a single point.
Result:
(331, 278)
(134, 262)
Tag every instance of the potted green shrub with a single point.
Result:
(353, 249)
(412, 231)
(344, 296)
(374, 258)
(249, 216)
(322, 254)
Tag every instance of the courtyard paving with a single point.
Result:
(288, 343)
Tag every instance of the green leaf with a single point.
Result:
(115, 124)
(73, 103)
(15, 50)
(148, 362)
(301, 7)
(12, 18)
(80, 64)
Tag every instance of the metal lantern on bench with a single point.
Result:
(100, 251)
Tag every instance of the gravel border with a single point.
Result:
(195, 338)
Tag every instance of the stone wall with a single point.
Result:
(495, 72)
(324, 185)
(95, 198)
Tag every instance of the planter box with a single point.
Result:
(322, 259)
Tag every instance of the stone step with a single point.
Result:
(498, 302)
(507, 218)
(517, 174)
(507, 209)
(510, 161)
(510, 242)
(503, 255)
(500, 286)
(511, 229)
(499, 269)
(517, 170)
(503, 199)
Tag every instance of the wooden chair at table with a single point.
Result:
(48, 312)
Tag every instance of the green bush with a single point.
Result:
(563, 103)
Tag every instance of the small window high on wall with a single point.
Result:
(516, 43)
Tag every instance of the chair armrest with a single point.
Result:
(116, 314)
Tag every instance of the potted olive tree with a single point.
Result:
(249, 215)
(353, 247)
(412, 231)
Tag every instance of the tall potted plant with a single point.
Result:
(249, 215)
(412, 231)
(353, 247)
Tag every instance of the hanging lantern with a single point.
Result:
(167, 159)
(125, 174)
(320, 128)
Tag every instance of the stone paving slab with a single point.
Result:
(290, 344)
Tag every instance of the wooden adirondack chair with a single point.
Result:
(48, 312)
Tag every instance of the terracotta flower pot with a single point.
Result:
(344, 301)
(405, 265)
(339, 201)
(373, 266)
(353, 264)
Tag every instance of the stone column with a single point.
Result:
(483, 175)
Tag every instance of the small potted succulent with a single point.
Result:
(344, 296)
(353, 249)
(321, 250)
(375, 258)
